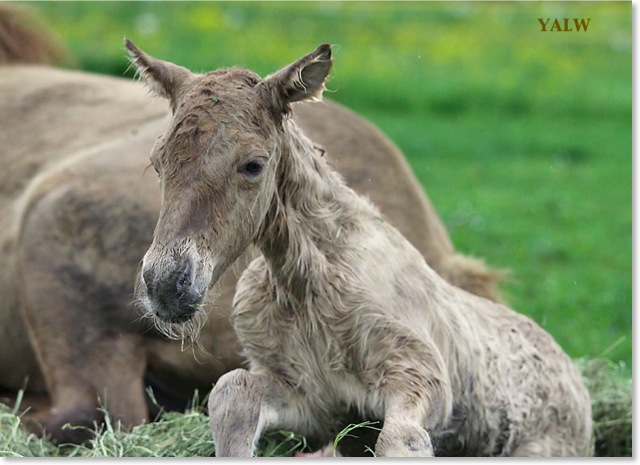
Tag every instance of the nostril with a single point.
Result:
(184, 280)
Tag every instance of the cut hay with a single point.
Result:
(188, 434)
(15, 442)
(611, 400)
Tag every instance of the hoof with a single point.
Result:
(59, 428)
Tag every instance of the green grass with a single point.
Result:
(188, 434)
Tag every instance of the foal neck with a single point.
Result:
(312, 214)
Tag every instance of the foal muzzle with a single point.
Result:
(171, 294)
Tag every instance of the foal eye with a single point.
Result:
(252, 168)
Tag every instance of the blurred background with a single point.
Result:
(521, 138)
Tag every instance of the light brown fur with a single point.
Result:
(78, 204)
(25, 39)
(340, 313)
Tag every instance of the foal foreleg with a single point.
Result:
(416, 396)
(243, 404)
(234, 414)
(403, 433)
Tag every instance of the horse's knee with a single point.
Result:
(238, 378)
(234, 414)
(230, 387)
(242, 405)
(404, 440)
(73, 424)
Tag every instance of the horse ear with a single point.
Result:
(162, 77)
(301, 80)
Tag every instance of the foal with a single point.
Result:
(339, 313)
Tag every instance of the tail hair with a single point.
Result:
(472, 275)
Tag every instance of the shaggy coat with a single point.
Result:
(340, 313)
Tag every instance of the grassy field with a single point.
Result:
(188, 434)
(521, 138)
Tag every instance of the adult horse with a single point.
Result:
(77, 212)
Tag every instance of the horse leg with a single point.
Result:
(403, 433)
(75, 294)
(84, 373)
(242, 405)
(416, 396)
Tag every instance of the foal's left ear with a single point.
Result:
(164, 78)
(301, 80)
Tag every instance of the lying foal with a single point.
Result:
(340, 313)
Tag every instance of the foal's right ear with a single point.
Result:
(164, 78)
(302, 80)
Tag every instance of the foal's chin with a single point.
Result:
(177, 325)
